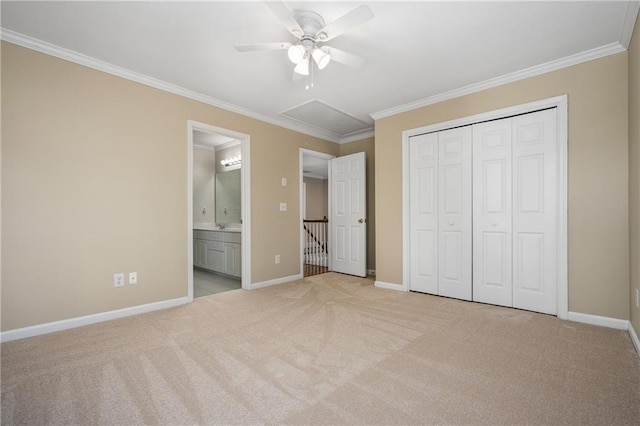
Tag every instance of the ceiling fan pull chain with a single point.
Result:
(309, 75)
(311, 66)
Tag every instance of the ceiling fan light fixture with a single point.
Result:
(296, 53)
(321, 57)
(303, 67)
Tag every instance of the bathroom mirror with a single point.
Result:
(228, 197)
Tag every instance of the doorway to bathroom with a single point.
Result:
(218, 210)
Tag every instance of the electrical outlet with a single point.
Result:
(133, 277)
(277, 258)
(118, 280)
(283, 207)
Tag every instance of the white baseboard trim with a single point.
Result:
(389, 286)
(276, 281)
(598, 320)
(634, 338)
(52, 327)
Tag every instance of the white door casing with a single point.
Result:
(347, 217)
(535, 212)
(245, 182)
(492, 253)
(454, 213)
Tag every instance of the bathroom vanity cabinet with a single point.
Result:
(217, 251)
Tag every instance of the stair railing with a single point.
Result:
(316, 249)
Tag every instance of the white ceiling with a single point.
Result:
(211, 140)
(417, 52)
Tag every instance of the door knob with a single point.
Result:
(451, 222)
(494, 223)
(362, 220)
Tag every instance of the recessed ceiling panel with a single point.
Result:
(319, 114)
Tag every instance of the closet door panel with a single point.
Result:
(492, 235)
(535, 212)
(423, 206)
(455, 214)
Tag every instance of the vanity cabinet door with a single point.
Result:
(199, 252)
(232, 259)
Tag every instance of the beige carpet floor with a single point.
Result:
(329, 349)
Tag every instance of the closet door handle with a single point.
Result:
(451, 222)
(494, 223)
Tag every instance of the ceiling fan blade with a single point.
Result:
(283, 13)
(345, 58)
(262, 46)
(352, 19)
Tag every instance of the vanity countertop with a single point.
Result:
(213, 227)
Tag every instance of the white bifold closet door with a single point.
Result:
(515, 212)
(535, 212)
(423, 220)
(483, 212)
(440, 213)
(454, 213)
(492, 226)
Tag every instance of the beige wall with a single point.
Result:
(204, 185)
(94, 177)
(368, 147)
(598, 223)
(634, 173)
(317, 198)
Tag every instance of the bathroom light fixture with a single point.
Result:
(232, 161)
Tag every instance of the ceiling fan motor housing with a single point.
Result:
(311, 24)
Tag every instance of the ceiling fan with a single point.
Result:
(310, 31)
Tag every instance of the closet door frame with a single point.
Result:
(558, 102)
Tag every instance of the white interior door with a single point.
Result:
(492, 250)
(347, 219)
(423, 222)
(454, 218)
(535, 212)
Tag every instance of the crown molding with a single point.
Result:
(587, 55)
(87, 61)
(359, 135)
(629, 22)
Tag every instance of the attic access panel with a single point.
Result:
(324, 116)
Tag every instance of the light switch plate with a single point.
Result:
(284, 181)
